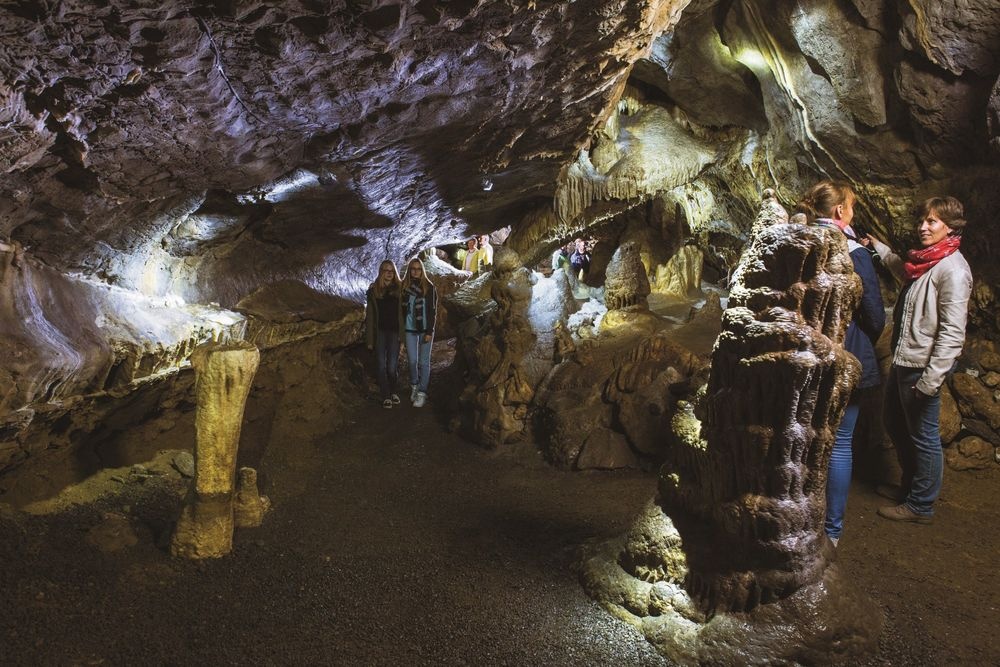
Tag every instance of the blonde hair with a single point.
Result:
(425, 283)
(820, 200)
(394, 284)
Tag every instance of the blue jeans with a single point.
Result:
(912, 422)
(386, 361)
(838, 480)
(418, 353)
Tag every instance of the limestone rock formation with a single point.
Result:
(249, 507)
(680, 277)
(498, 390)
(224, 375)
(626, 285)
(613, 408)
(625, 290)
(744, 485)
(163, 165)
(975, 399)
(780, 380)
(971, 453)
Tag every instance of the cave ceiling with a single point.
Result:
(294, 129)
(235, 143)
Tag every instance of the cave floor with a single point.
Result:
(392, 541)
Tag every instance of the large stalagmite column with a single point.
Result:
(730, 565)
(224, 373)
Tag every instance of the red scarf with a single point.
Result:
(922, 261)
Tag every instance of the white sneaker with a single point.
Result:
(419, 401)
(387, 403)
(395, 399)
(414, 390)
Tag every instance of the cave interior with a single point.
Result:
(228, 175)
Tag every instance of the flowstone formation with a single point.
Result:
(779, 383)
(627, 285)
(498, 391)
(224, 374)
(607, 404)
(744, 489)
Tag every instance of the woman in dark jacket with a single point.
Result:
(382, 329)
(418, 313)
(830, 204)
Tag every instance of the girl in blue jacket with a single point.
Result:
(830, 204)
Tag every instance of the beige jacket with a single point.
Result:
(932, 328)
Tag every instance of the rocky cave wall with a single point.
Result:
(178, 173)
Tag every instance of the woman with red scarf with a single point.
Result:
(927, 337)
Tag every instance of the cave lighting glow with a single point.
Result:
(297, 181)
(752, 58)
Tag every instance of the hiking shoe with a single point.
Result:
(419, 401)
(902, 513)
(414, 390)
(891, 491)
(387, 403)
(395, 399)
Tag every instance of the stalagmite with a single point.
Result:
(750, 502)
(250, 506)
(745, 476)
(224, 374)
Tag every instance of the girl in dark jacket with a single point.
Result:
(830, 204)
(382, 329)
(418, 313)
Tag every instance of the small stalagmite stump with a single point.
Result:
(250, 506)
(224, 373)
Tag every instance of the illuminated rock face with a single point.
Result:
(142, 139)
(224, 375)
(680, 277)
(729, 565)
(494, 403)
(748, 496)
(627, 285)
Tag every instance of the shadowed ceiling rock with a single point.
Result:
(957, 35)
(848, 53)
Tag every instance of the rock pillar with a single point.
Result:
(730, 565)
(748, 495)
(224, 373)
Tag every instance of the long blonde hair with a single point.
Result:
(425, 283)
(394, 285)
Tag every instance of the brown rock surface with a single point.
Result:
(951, 418)
(972, 453)
(779, 384)
(976, 399)
(955, 35)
